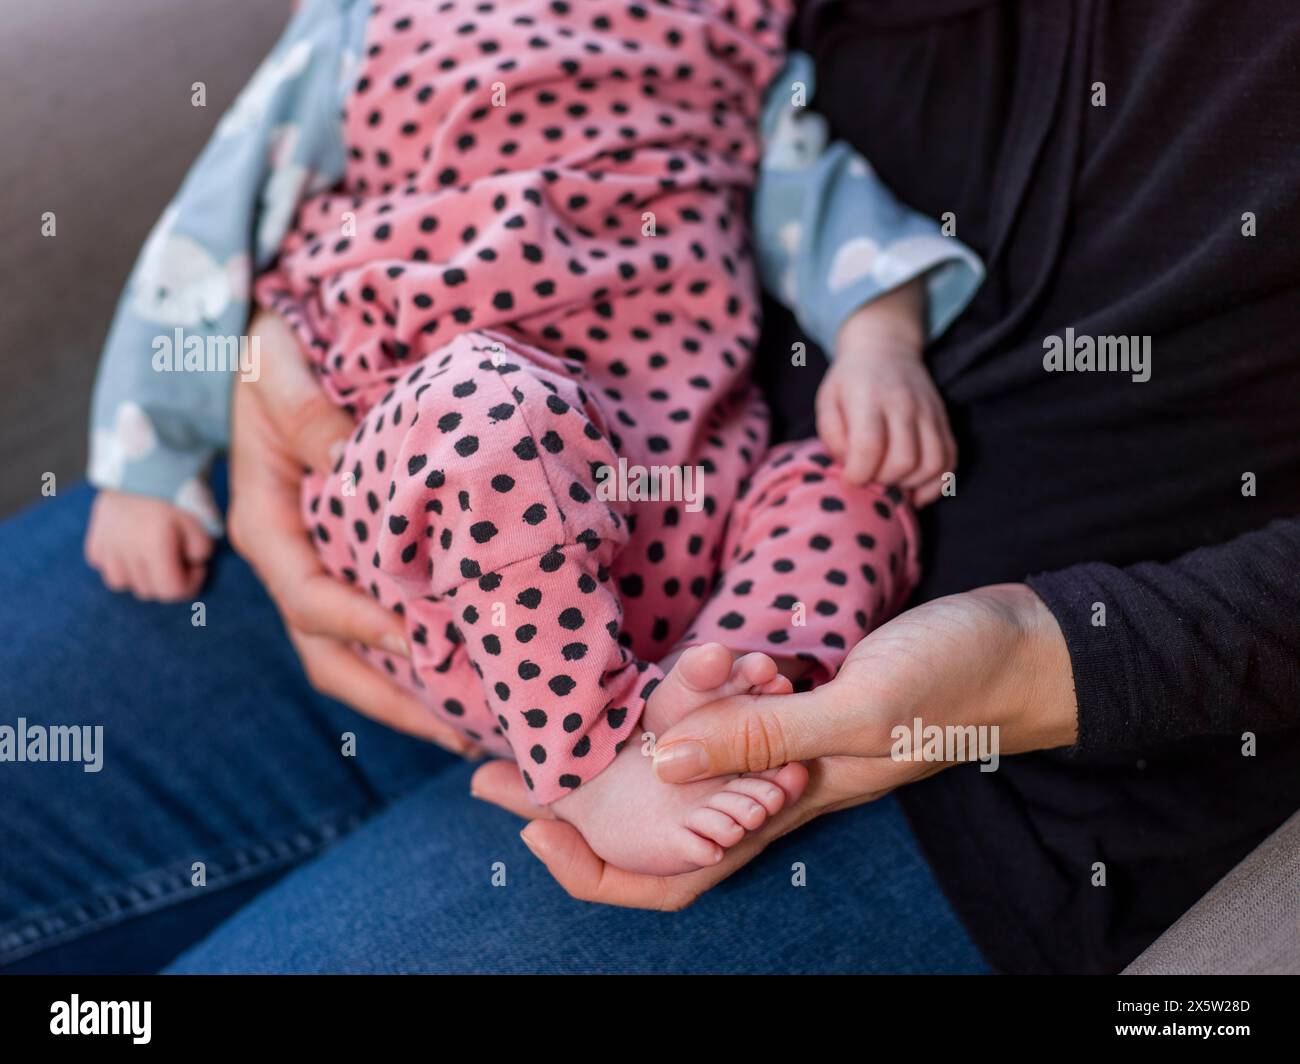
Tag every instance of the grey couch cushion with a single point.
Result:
(98, 127)
(1248, 924)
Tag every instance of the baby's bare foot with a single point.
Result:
(704, 674)
(636, 822)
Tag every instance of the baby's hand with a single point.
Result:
(146, 546)
(878, 411)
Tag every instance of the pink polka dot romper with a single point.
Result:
(534, 290)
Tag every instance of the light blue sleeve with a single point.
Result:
(830, 236)
(161, 405)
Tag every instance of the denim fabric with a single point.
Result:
(215, 750)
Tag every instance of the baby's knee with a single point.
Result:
(475, 459)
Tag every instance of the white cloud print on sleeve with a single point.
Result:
(909, 257)
(856, 258)
(830, 236)
(180, 282)
(252, 103)
(290, 181)
(129, 438)
(156, 433)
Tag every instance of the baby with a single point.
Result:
(521, 260)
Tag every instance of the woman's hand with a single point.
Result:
(281, 423)
(990, 657)
(993, 656)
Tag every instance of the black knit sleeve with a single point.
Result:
(1206, 644)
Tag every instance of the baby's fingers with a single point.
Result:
(927, 492)
(950, 453)
(935, 454)
(140, 578)
(868, 442)
(114, 573)
(831, 429)
(901, 457)
(196, 544)
(171, 576)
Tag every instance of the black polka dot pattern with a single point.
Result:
(548, 274)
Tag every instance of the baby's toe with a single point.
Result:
(745, 810)
(714, 824)
(792, 779)
(704, 667)
(753, 670)
(762, 790)
(694, 848)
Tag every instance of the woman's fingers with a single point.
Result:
(745, 733)
(280, 423)
(585, 876)
(312, 601)
(303, 416)
(316, 605)
(319, 604)
(499, 782)
(575, 866)
(336, 671)
(266, 529)
(313, 427)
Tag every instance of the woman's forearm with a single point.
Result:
(992, 657)
(1208, 644)
(1042, 678)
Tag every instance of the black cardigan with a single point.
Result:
(1116, 220)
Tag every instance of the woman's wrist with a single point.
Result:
(1040, 677)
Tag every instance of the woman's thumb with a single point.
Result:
(301, 413)
(747, 733)
(313, 429)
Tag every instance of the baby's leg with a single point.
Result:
(810, 565)
(468, 496)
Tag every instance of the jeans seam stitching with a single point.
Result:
(230, 872)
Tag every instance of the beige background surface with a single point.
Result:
(96, 125)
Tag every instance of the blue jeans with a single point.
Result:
(228, 832)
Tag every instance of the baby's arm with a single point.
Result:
(162, 396)
(869, 280)
(878, 410)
